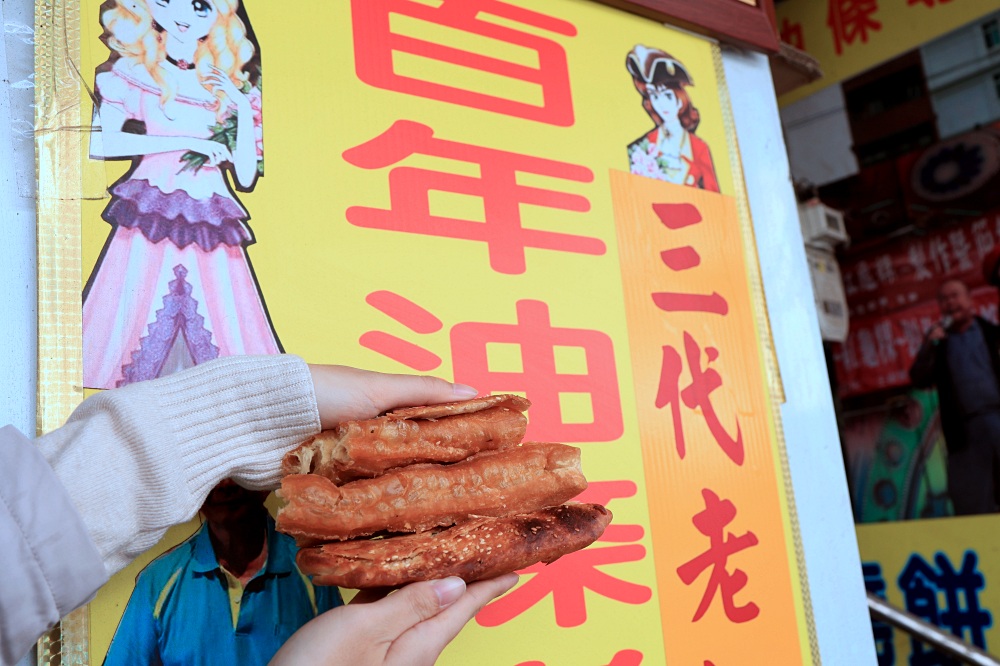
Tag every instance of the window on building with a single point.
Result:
(887, 92)
(991, 34)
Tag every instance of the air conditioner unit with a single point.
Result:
(821, 224)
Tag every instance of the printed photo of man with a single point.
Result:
(229, 594)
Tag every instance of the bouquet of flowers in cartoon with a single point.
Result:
(225, 132)
(648, 160)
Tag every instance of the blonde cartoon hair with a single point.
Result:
(129, 31)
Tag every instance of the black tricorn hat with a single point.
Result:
(644, 63)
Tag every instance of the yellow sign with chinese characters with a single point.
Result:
(848, 37)
(420, 187)
(943, 570)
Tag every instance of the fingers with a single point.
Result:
(394, 391)
(424, 642)
(220, 154)
(219, 81)
(216, 153)
(348, 394)
(414, 604)
(218, 77)
(370, 595)
(410, 627)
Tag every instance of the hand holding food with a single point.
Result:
(428, 492)
(349, 394)
(440, 433)
(410, 627)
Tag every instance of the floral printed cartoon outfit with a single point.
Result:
(173, 286)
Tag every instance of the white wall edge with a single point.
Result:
(829, 539)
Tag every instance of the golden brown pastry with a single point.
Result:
(439, 433)
(421, 497)
(477, 549)
(444, 409)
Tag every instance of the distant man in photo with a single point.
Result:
(229, 594)
(960, 357)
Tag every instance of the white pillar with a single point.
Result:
(814, 455)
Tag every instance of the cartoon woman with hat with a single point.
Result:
(671, 151)
(180, 96)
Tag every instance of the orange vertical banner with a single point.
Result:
(721, 545)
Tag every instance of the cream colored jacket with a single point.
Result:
(80, 503)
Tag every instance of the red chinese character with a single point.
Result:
(568, 577)
(913, 334)
(709, 303)
(866, 280)
(918, 261)
(940, 254)
(537, 340)
(791, 33)
(496, 185)
(602, 492)
(851, 19)
(539, 379)
(885, 342)
(696, 395)
(621, 658)
(381, 55)
(411, 315)
(961, 248)
(869, 348)
(712, 523)
(983, 238)
(885, 270)
(678, 216)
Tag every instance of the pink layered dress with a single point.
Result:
(173, 286)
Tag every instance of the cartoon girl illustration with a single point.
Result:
(180, 96)
(671, 151)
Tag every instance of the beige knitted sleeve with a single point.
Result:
(141, 458)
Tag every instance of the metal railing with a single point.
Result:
(940, 640)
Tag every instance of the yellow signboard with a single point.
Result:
(942, 570)
(524, 196)
(848, 37)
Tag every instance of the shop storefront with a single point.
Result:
(572, 200)
(900, 138)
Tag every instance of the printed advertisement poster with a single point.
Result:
(541, 198)
(942, 571)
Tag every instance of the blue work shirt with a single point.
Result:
(186, 609)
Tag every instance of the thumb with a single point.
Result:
(394, 391)
(347, 394)
(416, 603)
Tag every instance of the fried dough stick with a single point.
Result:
(436, 434)
(420, 497)
(480, 548)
